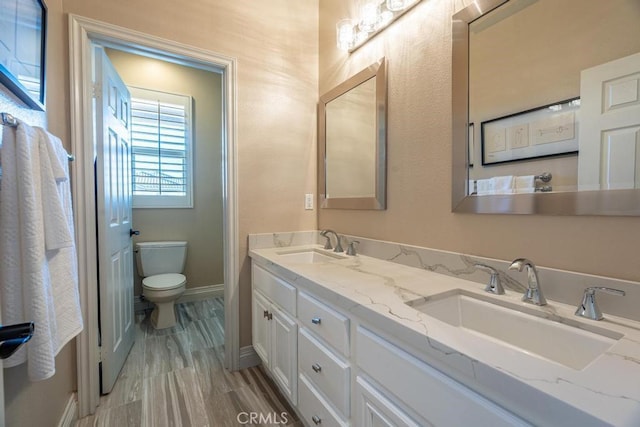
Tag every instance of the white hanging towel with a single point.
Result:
(503, 184)
(27, 287)
(485, 187)
(525, 184)
(59, 239)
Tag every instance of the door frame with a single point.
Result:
(83, 34)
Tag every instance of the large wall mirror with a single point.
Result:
(352, 142)
(546, 107)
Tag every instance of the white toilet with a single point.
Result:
(160, 263)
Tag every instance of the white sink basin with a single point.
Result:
(309, 256)
(559, 342)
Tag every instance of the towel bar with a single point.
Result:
(7, 119)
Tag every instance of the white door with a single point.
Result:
(113, 199)
(261, 327)
(609, 144)
(284, 352)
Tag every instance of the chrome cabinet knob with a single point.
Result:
(316, 320)
(316, 420)
(316, 368)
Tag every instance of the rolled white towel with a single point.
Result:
(503, 184)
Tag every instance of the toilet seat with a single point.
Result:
(164, 282)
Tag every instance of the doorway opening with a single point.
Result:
(85, 35)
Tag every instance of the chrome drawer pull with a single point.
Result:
(316, 420)
(316, 320)
(270, 316)
(265, 313)
(316, 367)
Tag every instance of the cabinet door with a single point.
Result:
(284, 352)
(374, 409)
(261, 327)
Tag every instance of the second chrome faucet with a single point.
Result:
(533, 294)
(351, 249)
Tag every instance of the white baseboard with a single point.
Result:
(70, 414)
(201, 293)
(190, 295)
(249, 357)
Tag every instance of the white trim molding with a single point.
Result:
(202, 293)
(83, 34)
(249, 357)
(70, 414)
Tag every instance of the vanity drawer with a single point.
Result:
(325, 369)
(314, 409)
(275, 288)
(431, 394)
(324, 322)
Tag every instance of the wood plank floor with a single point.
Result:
(175, 377)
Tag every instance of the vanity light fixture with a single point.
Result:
(374, 16)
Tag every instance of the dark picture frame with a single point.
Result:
(548, 131)
(23, 25)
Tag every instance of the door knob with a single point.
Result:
(133, 232)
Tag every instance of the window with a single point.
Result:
(161, 147)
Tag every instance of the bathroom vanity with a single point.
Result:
(361, 341)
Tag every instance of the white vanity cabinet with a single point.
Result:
(338, 372)
(324, 367)
(374, 409)
(430, 394)
(275, 330)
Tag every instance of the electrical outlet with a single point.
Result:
(308, 201)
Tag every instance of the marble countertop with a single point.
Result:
(606, 391)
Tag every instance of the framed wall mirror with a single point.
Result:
(543, 88)
(22, 50)
(352, 142)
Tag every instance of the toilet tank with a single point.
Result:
(160, 257)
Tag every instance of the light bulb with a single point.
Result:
(368, 16)
(396, 5)
(345, 34)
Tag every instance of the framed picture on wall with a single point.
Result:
(22, 50)
(547, 131)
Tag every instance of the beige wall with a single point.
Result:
(276, 47)
(418, 50)
(202, 225)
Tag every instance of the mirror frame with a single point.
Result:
(378, 202)
(602, 202)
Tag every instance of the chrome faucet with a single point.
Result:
(533, 294)
(495, 285)
(338, 247)
(327, 243)
(589, 307)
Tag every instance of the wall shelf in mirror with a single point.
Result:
(352, 142)
(502, 64)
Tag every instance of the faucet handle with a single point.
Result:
(495, 285)
(327, 244)
(589, 306)
(351, 250)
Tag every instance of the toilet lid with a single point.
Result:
(164, 281)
